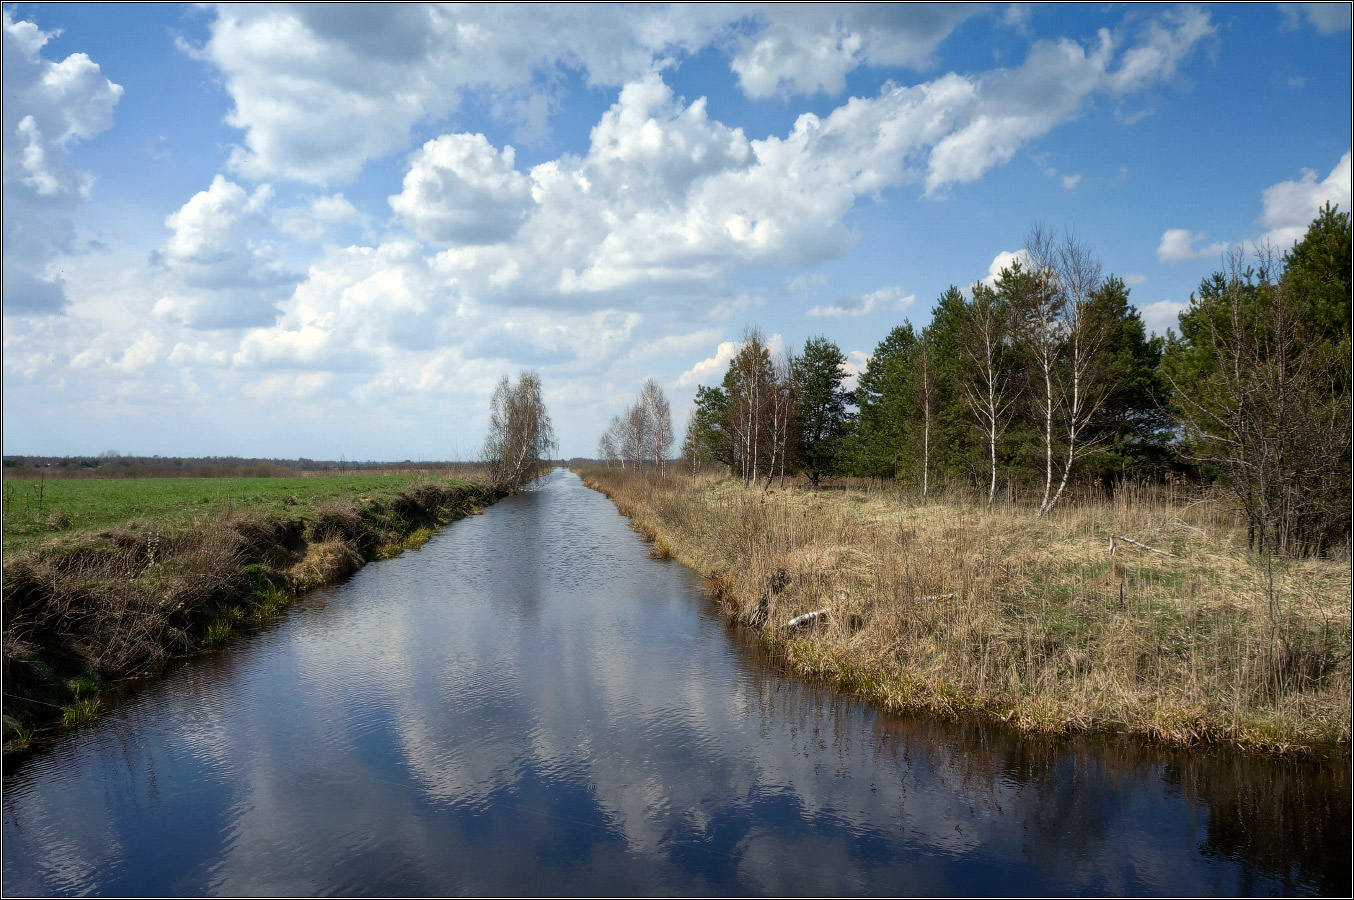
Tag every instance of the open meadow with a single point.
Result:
(36, 509)
(953, 607)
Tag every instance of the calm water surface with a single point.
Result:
(531, 705)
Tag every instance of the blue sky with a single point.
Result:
(327, 232)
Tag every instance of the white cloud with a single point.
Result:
(807, 48)
(1133, 280)
(1071, 181)
(711, 369)
(356, 306)
(801, 284)
(856, 361)
(460, 190)
(668, 196)
(1004, 260)
(1177, 245)
(1327, 18)
(1168, 41)
(891, 299)
(1161, 315)
(672, 344)
(1290, 206)
(219, 274)
(311, 221)
(112, 351)
(1011, 107)
(319, 90)
(48, 106)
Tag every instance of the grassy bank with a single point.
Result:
(954, 608)
(113, 579)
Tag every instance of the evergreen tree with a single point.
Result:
(881, 420)
(954, 443)
(707, 435)
(824, 417)
(1131, 425)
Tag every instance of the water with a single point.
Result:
(531, 705)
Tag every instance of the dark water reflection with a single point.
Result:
(531, 705)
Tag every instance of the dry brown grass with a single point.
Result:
(953, 607)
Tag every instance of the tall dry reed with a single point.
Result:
(954, 607)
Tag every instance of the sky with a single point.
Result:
(328, 231)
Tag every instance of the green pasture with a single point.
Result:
(35, 510)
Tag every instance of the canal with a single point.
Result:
(532, 705)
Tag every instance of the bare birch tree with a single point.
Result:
(657, 423)
(1065, 341)
(1083, 334)
(783, 393)
(748, 384)
(614, 439)
(520, 436)
(989, 391)
(634, 434)
(607, 449)
(1040, 321)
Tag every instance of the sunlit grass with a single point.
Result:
(953, 607)
(69, 506)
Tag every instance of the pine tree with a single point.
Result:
(824, 417)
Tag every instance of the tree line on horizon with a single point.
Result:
(1047, 378)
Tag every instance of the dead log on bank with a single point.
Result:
(806, 619)
(1117, 537)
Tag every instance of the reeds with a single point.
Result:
(954, 607)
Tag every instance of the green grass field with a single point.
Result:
(34, 511)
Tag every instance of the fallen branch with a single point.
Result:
(1118, 537)
(806, 619)
(934, 597)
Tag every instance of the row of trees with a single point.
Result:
(1047, 376)
(642, 433)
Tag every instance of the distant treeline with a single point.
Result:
(1046, 378)
(112, 465)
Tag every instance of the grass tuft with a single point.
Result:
(83, 711)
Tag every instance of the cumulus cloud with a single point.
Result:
(460, 190)
(356, 305)
(891, 299)
(1290, 206)
(1002, 261)
(48, 106)
(220, 275)
(711, 369)
(320, 89)
(807, 48)
(667, 195)
(1178, 245)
